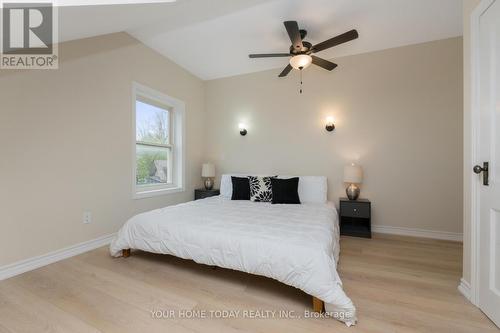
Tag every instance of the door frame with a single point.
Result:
(474, 149)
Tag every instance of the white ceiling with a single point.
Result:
(79, 21)
(212, 39)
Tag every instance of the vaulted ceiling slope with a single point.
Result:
(212, 39)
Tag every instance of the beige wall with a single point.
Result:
(65, 143)
(468, 7)
(398, 113)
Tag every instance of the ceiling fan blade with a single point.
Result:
(292, 28)
(323, 63)
(340, 39)
(269, 55)
(286, 71)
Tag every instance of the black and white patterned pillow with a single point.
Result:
(260, 189)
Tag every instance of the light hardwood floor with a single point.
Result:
(399, 284)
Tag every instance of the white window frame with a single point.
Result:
(177, 110)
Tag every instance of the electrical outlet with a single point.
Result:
(87, 217)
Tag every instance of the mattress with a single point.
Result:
(295, 244)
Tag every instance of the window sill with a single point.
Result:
(154, 193)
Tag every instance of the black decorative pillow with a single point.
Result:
(285, 191)
(241, 188)
(260, 189)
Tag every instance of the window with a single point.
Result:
(158, 143)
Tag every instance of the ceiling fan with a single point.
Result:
(301, 52)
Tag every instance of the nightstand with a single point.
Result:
(201, 193)
(355, 218)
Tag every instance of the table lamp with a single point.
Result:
(208, 172)
(353, 175)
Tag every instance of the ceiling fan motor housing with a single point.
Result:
(306, 49)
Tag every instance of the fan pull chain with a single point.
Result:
(301, 80)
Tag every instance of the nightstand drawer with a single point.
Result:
(355, 209)
(202, 193)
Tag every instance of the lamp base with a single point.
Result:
(352, 192)
(209, 183)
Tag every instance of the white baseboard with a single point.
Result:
(49, 258)
(444, 235)
(464, 288)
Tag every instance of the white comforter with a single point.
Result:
(295, 244)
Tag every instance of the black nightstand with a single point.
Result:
(355, 218)
(201, 193)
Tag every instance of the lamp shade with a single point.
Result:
(300, 61)
(353, 173)
(208, 170)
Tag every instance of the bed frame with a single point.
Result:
(318, 305)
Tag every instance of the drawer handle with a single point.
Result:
(355, 209)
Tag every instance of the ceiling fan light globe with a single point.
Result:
(301, 61)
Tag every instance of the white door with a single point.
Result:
(489, 151)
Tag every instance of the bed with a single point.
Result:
(295, 244)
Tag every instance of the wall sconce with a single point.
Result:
(330, 126)
(243, 130)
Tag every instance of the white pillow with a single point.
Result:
(312, 189)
